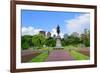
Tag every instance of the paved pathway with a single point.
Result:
(59, 55)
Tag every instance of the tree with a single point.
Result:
(71, 40)
(63, 42)
(25, 45)
(38, 40)
(26, 41)
(85, 38)
(50, 42)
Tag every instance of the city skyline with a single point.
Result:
(33, 21)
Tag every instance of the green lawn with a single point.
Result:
(40, 58)
(70, 47)
(78, 56)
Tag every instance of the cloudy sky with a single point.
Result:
(33, 21)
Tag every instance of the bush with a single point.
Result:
(25, 45)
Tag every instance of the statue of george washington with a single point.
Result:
(58, 29)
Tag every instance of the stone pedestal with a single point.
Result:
(58, 43)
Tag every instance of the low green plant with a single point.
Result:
(40, 58)
(78, 56)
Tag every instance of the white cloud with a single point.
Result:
(30, 31)
(78, 24)
(53, 32)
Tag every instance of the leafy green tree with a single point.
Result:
(63, 42)
(38, 40)
(51, 42)
(85, 38)
(25, 45)
(71, 40)
(26, 41)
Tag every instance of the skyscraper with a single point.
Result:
(48, 34)
(42, 32)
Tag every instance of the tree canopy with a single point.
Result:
(40, 40)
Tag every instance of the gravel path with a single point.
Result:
(59, 55)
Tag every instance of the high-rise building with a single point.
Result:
(65, 36)
(48, 34)
(75, 34)
(54, 36)
(42, 32)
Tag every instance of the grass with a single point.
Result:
(77, 47)
(78, 56)
(70, 47)
(40, 58)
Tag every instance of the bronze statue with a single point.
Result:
(58, 29)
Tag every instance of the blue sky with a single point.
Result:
(48, 21)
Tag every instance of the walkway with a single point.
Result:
(59, 55)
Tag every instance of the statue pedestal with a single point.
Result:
(58, 43)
